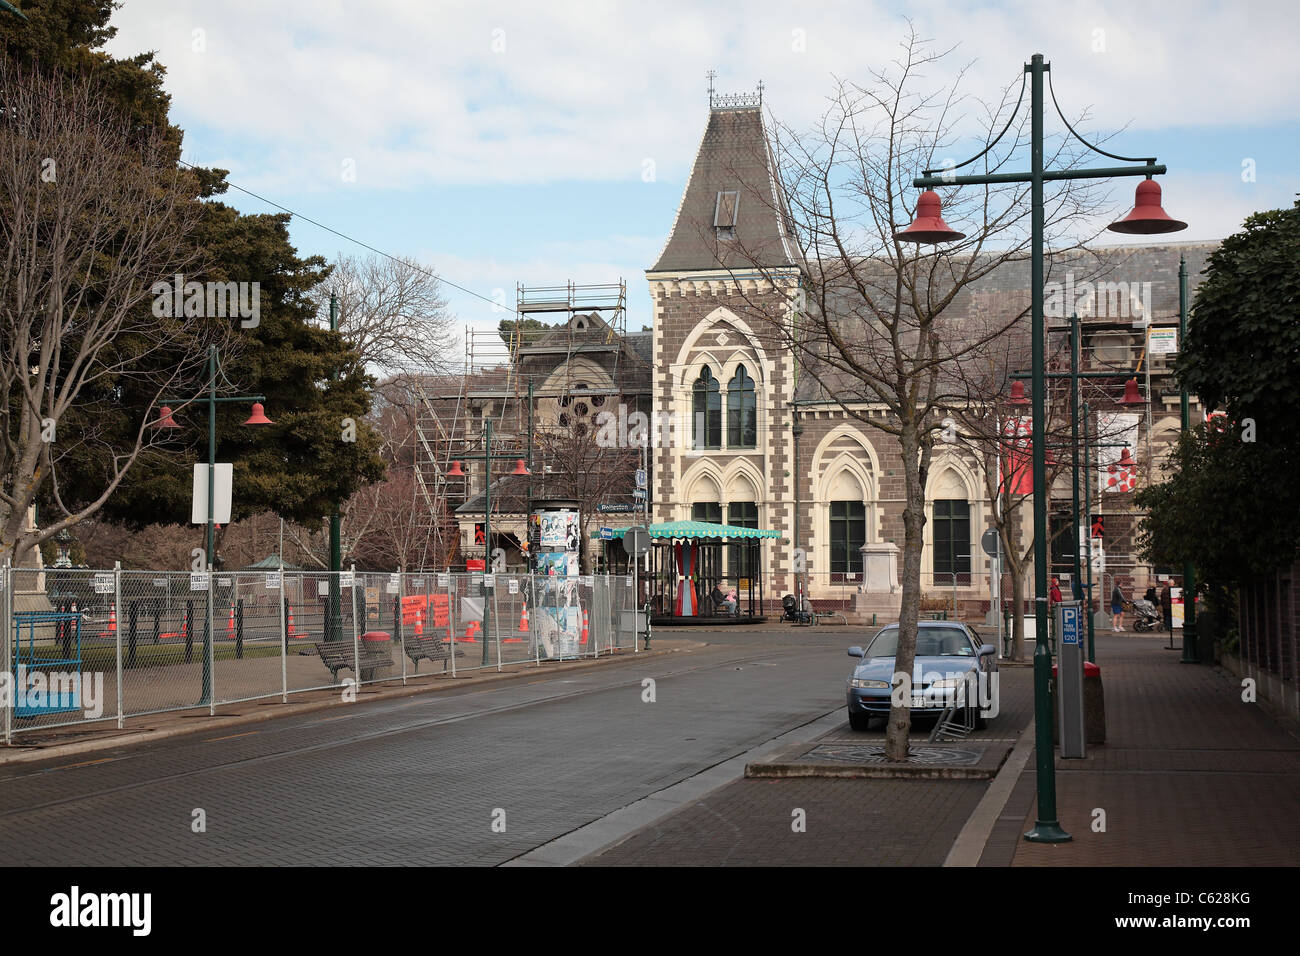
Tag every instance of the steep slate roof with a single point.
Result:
(733, 156)
(1006, 291)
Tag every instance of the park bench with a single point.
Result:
(428, 647)
(337, 655)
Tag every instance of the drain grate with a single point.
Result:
(918, 756)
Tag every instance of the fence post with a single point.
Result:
(534, 622)
(188, 625)
(117, 636)
(239, 629)
(397, 621)
(210, 644)
(451, 620)
(284, 639)
(6, 621)
(356, 635)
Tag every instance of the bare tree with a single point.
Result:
(876, 323)
(92, 214)
(391, 310)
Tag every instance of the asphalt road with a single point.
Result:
(472, 776)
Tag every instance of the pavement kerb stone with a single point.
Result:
(113, 738)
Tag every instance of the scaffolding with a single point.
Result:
(564, 352)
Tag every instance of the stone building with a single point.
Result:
(748, 438)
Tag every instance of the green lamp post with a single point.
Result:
(521, 470)
(1146, 218)
(167, 422)
(1191, 652)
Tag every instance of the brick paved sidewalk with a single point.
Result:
(1190, 775)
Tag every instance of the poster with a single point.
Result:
(558, 531)
(1117, 434)
(1017, 441)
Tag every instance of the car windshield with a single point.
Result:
(930, 642)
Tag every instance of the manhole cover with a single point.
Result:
(918, 756)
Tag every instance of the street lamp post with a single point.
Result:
(1191, 652)
(522, 470)
(167, 422)
(1147, 217)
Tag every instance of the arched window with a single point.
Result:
(707, 419)
(742, 427)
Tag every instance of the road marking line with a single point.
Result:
(86, 763)
(232, 736)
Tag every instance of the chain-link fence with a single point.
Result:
(106, 645)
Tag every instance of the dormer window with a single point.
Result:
(724, 214)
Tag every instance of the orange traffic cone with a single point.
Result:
(419, 622)
(112, 622)
(470, 630)
(230, 626)
(292, 632)
(584, 627)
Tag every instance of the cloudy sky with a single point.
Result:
(522, 142)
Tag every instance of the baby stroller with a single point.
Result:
(790, 610)
(1146, 616)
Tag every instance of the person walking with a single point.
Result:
(1117, 607)
(1167, 605)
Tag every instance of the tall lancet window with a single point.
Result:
(706, 422)
(742, 426)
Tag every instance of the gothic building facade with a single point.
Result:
(755, 441)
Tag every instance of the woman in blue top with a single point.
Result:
(1117, 608)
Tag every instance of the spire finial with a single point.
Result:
(711, 74)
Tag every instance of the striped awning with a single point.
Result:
(698, 531)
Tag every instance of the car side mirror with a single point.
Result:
(856, 651)
(986, 649)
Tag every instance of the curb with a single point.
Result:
(113, 738)
(791, 770)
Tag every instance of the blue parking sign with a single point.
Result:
(1071, 633)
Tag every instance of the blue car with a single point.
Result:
(948, 655)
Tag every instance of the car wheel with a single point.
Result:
(859, 721)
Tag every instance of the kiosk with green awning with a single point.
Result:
(688, 559)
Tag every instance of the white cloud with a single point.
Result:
(415, 93)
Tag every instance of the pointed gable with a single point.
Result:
(732, 215)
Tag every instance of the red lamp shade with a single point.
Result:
(1018, 394)
(521, 468)
(455, 470)
(259, 416)
(165, 419)
(1126, 460)
(1148, 217)
(1131, 394)
(929, 227)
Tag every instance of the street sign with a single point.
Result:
(638, 494)
(1163, 342)
(989, 542)
(1071, 632)
(636, 541)
(606, 534)
(640, 477)
(606, 507)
